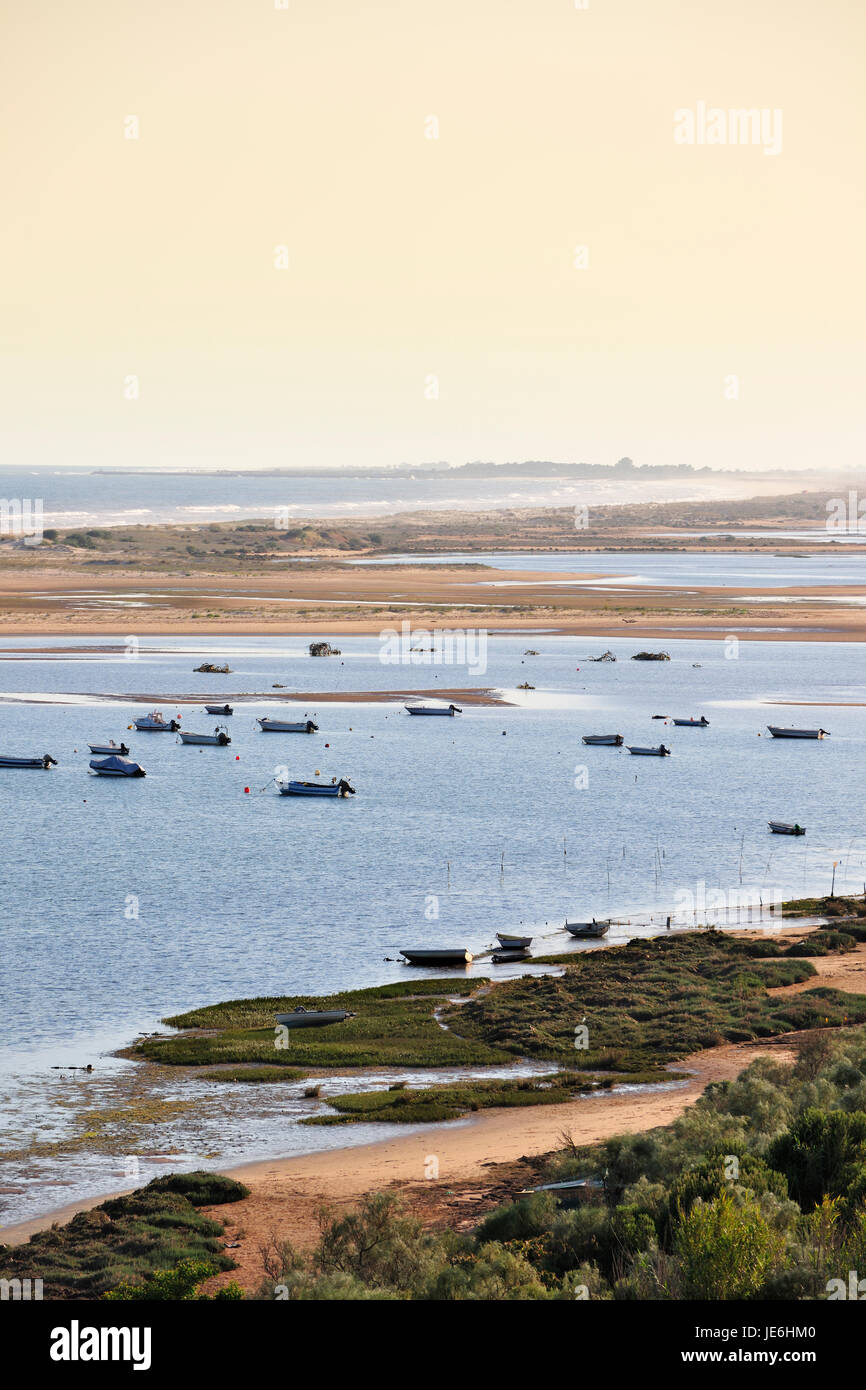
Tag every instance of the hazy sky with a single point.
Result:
(415, 263)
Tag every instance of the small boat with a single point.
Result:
(506, 957)
(45, 761)
(603, 740)
(312, 1018)
(284, 726)
(116, 767)
(156, 723)
(660, 752)
(588, 929)
(513, 943)
(218, 709)
(457, 956)
(701, 723)
(109, 748)
(218, 737)
(780, 827)
(796, 733)
(434, 709)
(341, 788)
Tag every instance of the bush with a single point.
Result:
(201, 1188)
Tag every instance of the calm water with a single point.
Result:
(125, 901)
(75, 497)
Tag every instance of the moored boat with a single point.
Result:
(109, 749)
(341, 788)
(660, 752)
(218, 709)
(219, 737)
(507, 957)
(513, 943)
(285, 726)
(796, 733)
(780, 827)
(588, 929)
(433, 709)
(156, 723)
(444, 956)
(45, 761)
(603, 740)
(702, 723)
(116, 767)
(312, 1018)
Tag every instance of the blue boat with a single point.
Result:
(341, 788)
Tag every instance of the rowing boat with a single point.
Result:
(660, 752)
(312, 1018)
(445, 956)
(780, 827)
(433, 709)
(796, 733)
(603, 740)
(588, 929)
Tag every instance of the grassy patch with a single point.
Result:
(255, 1074)
(127, 1239)
(652, 1001)
(394, 1026)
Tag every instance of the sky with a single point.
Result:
(239, 235)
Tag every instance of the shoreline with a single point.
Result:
(296, 1186)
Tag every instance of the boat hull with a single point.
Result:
(660, 752)
(337, 789)
(507, 957)
(782, 828)
(148, 726)
(796, 733)
(218, 709)
(588, 930)
(214, 740)
(424, 709)
(445, 957)
(315, 1018)
(603, 740)
(44, 762)
(281, 726)
(513, 943)
(692, 723)
(108, 750)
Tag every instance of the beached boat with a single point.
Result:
(312, 1018)
(286, 726)
(796, 733)
(116, 767)
(603, 740)
(445, 956)
(588, 929)
(660, 752)
(109, 749)
(701, 723)
(156, 723)
(433, 709)
(780, 827)
(218, 709)
(219, 737)
(45, 761)
(341, 788)
(506, 957)
(513, 943)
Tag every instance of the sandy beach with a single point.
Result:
(482, 1161)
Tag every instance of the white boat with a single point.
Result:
(45, 761)
(434, 709)
(285, 726)
(796, 733)
(341, 788)
(660, 752)
(156, 723)
(603, 740)
(116, 767)
(780, 827)
(109, 748)
(218, 709)
(702, 723)
(513, 943)
(218, 737)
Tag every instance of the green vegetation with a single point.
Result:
(757, 1192)
(655, 1000)
(130, 1241)
(395, 1026)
